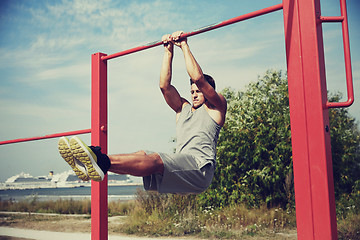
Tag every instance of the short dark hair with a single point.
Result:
(208, 78)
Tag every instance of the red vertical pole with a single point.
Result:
(99, 195)
(313, 177)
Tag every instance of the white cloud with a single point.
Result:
(63, 43)
(66, 73)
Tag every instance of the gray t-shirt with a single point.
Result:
(191, 168)
(197, 133)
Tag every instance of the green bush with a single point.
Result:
(254, 153)
(254, 147)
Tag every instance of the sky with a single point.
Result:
(46, 48)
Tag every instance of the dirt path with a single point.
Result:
(35, 226)
(55, 222)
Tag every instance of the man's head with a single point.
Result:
(196, 95)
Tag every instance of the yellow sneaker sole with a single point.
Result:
(67, 155)
(85, 155)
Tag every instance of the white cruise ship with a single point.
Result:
(61, 180)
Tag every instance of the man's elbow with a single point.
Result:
(196, 78)
(164, 87)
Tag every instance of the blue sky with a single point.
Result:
(45, 49)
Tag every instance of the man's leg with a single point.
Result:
(137, 164)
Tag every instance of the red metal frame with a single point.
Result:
(99, 195)
(347, 57)
(312, 160)
(201, 30)
(55, 135)
(314, 186)
(313, 173)
(315, 199)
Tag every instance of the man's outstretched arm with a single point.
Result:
(171, 95)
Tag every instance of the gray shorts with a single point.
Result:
(183, 174)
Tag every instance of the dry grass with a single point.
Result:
(349, 227)
(58, 206)
(174, 215)
(152, 214)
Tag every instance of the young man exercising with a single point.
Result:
(191, 168)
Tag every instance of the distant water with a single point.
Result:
(115, 193)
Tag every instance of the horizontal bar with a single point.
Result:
(46, 136)
(201, 30)
(332, 19)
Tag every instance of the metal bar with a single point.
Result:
(55, 135)
(99, 194)
(201, 30)
(347, 58)
(331, 19)
(311, 146)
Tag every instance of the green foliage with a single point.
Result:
(254, 154)
(345, 147)
(254, 147)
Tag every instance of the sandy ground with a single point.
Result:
(28, 234)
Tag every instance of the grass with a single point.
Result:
(116, 208)
(349, 227)
(152, 214)
(58, 206)
(175, 215)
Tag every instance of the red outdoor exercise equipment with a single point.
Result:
(309, 117)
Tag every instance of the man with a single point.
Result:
(191, 168)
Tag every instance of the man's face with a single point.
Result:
(197, 96)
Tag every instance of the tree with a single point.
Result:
(345, 148)
(254, 146)
(254, 156)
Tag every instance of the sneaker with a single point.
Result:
(96, 163)
(66, 154)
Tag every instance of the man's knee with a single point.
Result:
(154, 157)
(158, 162)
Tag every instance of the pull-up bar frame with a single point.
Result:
(314, 189)
(200, 30)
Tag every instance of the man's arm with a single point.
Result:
(196, 74)
(171, 95)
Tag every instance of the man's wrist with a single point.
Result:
(169, 52)
(184, 45)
